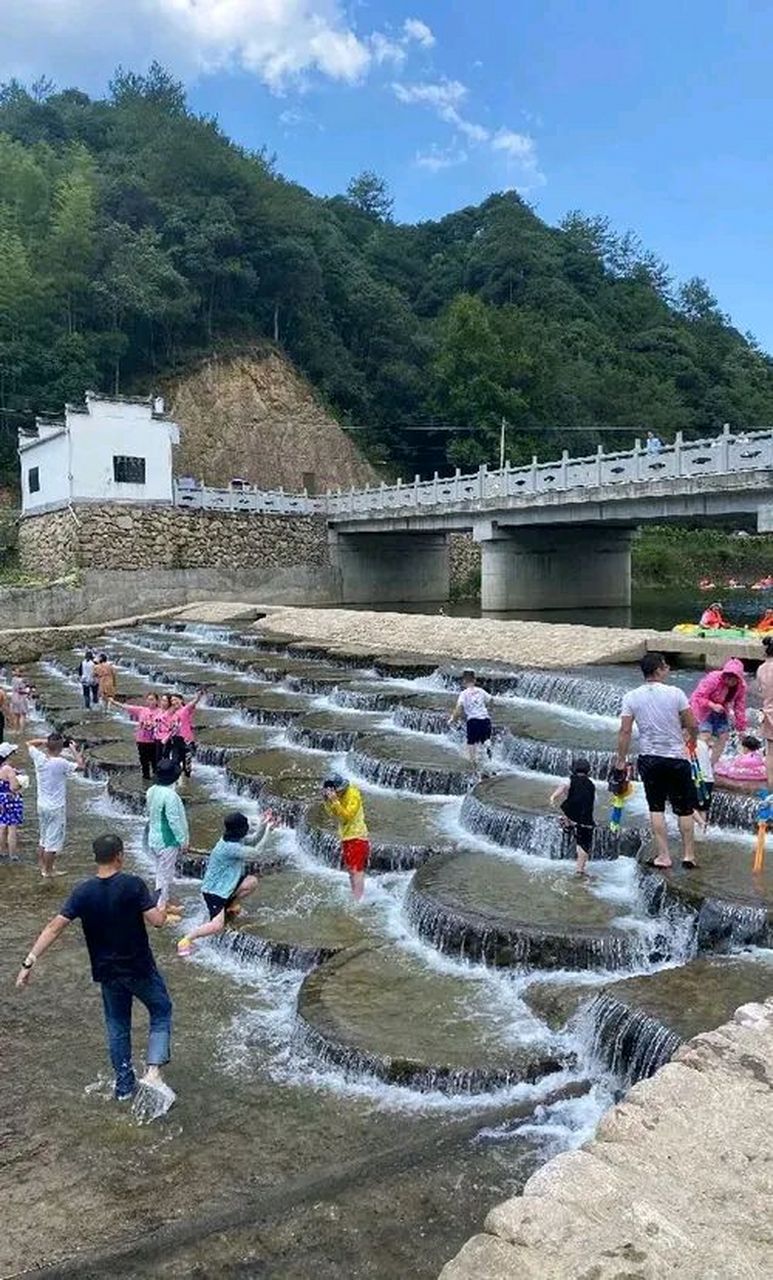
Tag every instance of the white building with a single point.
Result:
(110, 450)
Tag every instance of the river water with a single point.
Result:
(357, 1085)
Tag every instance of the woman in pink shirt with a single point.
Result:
(145, 714)
(765, 682)
(181, 742)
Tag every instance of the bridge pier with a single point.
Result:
(391, 568)
(555, 567)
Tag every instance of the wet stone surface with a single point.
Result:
(412, 764)
(404, 831)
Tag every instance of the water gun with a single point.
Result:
(621, 787)
(764, 816)
(697, 776)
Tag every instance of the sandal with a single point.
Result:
(689, 866)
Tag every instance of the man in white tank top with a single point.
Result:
(473, 703)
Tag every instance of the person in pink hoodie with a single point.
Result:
(719, 697)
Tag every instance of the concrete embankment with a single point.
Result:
(536, 644)
(677, 1181)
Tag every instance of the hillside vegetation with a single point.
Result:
(135, 238)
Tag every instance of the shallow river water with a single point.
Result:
(357, 1085)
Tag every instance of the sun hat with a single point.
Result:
(7, 749)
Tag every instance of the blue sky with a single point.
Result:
(655, 114)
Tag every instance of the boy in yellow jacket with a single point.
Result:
(344, 801)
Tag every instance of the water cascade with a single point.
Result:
(627, 1041)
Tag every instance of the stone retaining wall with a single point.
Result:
(676, 1181)
(149, 537)
(464, 563)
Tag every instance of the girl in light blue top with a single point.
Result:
(226, 880)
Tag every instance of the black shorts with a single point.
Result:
(478, 731)
(666, 778)
(215, 905)
(583, 836)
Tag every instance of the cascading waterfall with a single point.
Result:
(333, 740)
(419, 720)
(726, 926)
(541, 834)
(406, 777)
(594, 696)
(626, 1041)
(551, 757)
(730, 809)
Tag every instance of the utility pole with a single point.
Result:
(502, 444)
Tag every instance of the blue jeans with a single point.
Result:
(117, 997)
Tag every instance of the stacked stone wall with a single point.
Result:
(464, 564)
(132, 537)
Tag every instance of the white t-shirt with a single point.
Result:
(87, 671)
(52, 773)
(703, 752)
(474, 703)
(656, 708)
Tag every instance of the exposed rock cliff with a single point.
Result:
(254, 416)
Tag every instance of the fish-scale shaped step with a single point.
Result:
(250, 774)
(128, 789)
(638, 1023)
(508, 914)
(290, 920)
(412, 764)
(368, 695)
(268, 706)
(215, 744)
(380, 1011)
(734, 904)
(513, 810)
(333, 728)
(404, 832)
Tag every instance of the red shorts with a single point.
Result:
(355, 854)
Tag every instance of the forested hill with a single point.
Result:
(134, 237)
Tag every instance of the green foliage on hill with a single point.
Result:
(134, 236)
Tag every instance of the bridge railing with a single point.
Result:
(724, 454)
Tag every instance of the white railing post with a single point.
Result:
(723, 452)
(381, 498)
(434, 489)
(457, 474)
(482, 481)
(599, 464)
(564, 468)
(506, 478)
(533, 477)
(416, 483)
(637, 459)
(678, 442)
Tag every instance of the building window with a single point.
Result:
(34, 479)
(128, 470)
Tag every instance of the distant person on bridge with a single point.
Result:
(654, 443)
(473, 703)
(713, 619)
(662, 715)
(343, 801)
(718, 699)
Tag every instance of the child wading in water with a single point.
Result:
(473, 704)
(225, 880)
(576, 799)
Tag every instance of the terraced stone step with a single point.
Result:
(292, 921)
(411, 764)
(404, 832)
(379, 1011)
(251, 774)
(734, 905)
(333, 729)
(513, 810)
(267, 706)
(637, 1024)
(217, 743)
(128, 789)
(505, 913)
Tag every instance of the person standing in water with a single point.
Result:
(663, 717)
(343, 801)
(52, 769)
(11, 802)
(577, 799)
(104, 673)
(181, 742)
(144, 716)
(114, 908)
(88, 679)
(225, 880)
(473, 703)
(716, 700)
(19, 703)
(765, 684)
(167, 831)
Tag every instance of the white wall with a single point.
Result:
(119, 429)
(51, 457)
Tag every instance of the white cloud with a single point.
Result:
(438, 158)
(384, 49)
(446, 98)
(415, 29)
(280, 41)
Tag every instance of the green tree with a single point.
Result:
(370, 193)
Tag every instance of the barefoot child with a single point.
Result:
(576, 799)
(225, 880)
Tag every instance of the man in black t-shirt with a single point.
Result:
(113, 909)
